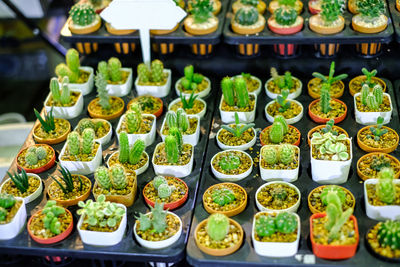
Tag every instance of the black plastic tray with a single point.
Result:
(128, 249)
(246, 254)
(306, 35)
(395, 18)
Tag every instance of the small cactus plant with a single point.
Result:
(331, 146)
(111, 70)
(156, 221)
(378, 131)
(368, 76)
(286, 153)
(68, 182)
(102, 177)
(246, 16)
(60, 96)
(330, 79)
(282, 81)
(325, 98)
(74, 143)
(164, 191)
(6, 202)
(102, 93)
(265, 226)
(229, 162)
(389, 234)
(34, 154)
(278, 129)
(270, 155)
(178, 119)
(88, 136)
(238, 129)
(157, 70)
(123, 147)
(191, 79)
(385, 188)
(159, 180)
(130, 155)
(223, 196)
(329, 127)
(178, 136)
(136, 151)
(284, 104)
(227, 91)
(51, 220)
(217, 226)
(283, 222)
(172, 149)
(118, 177)
(82, 14)
(154, 75)
(372, 99)
(188, 103)
(335, 190)
(71, 69)
(133, 121)
(242, 95)
(378, 163)
(143, 73)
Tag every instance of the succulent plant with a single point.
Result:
(133, 119)
(51, 220)
(284, 104)
(102, 67)
(389, 234)
(325, 98)
(217, 226)
(178, 119)
(201, 10)
(370, 9)
(82, 14)
(385, 188)
(372, 99)
(20, 180)
(191, 79)
(102, 177)
(159, 180)
(331, 146)
(60, 96)
(143, 73)
(188, 103)
(277, 131)
(286, 153)
(34, 154)
(85, 123)
(47, 122)
(135, 154)
(290, 3)
(71, 69)
(329, 127)
(270, 155)
(378, 131)
(174, 131)
(223, 196)
(228, 91)
(282, 81)
(378, 163)
(286, 223)
(123, 147)
(111, 70)
(330, 79)
(334, 189)
(242, 95)
(229, 162)
(102, 93)
(88, 136)
(157, 221)
(67, 182)
(238, 129)
(118, 177)
(283, 222)
(6, 202)
(157, 70)
(331, 10)
(172, 149)
(31, 158)
(247, 16)
(164, 190)
(285, 16)
(265, 226)
(368, 76)
(74, 143)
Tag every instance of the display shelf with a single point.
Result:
(395, 18)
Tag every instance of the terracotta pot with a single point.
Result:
(218, 252)
(363, 29)
(333, 252)
(71, 202)
(363, 77)
(309, 134)
(318, 28)
(314, 210)
(51, 141)
(54, 239)
(318, 119)
(105, 117)
(83, 30)
(157, 113)
(240, 29)
(229, 213)
(352, 6)
(274, 5)
(316, 95)
(114, 31)
(45, 167)
(284, 30)
(363, 176)
(297, 143)
(168, 206)
(196, 31)
(313, 10)
(367, 148)
(163, 32)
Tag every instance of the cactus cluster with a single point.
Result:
(378, 131)
(336, 190)
(191, 79)
(173, 145)
(153, 75)
(71, 69)
(282, 81)
(389, 234)
(51, 220)
(368, 77)
(47, 122)
(81, 144)
(229, 162)
(331, 10)
(178, 119)
(102, 93)
(385, 188)
(115, 177)
(67, 182)
(372, 99)
(285, 16)
(330, 79)
(88, 123)
(279, 196)
(34, 154)
(329, 127)
(246, 16)
(6, 202)
(331, 146)
(157, 221)
(282, 154)
(62, 96)
(283, 222)
(284, 104)
(378, 163)
(217, 226)
(278, 129)
(164, 190)
(238, 128)
(235, 92)
(20, 180)
(111, 70)
(130, 155)
(82, 14)
(223, 196)
(201, 10)
(133, 118)
(371, 9)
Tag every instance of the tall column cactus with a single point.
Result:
(385, 188)
(134, 118)
(157, 71)
(136, 151)
(242, 94)
(276, 132)
(336, 217)
(325, 98)
(102, 67)
(65, 97)
(183, 120)
(73, 143)
(171, 119)
(364, 94)
(378, 94)
(118, 177)
(102, 177)
(143, 73)
(55, 90)
(227, 91)
(123, 147)
(171, 149)
(72, 59)
(102, 93)
(114, 67)
(174, 131)
(62, 70)
(88, 136)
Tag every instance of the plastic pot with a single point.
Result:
(297, 143)
(314, 210)
(192, 139)
(318, 119)
(244, 117)
(290, 209)
(32, 196)
(240, 147)
(200, 94)
(293, 95)
(378, 154)
(14, 227)
(289, 121)
(317, 96)
(231, 177)
(367, 148)
(258, 90)
(121, 89)
(285, 30)
(66, 112)
(154, 90)
(105, 139)
(51, 141)
(313, 130)
(114, 115)
(363, 78)
(84, 88)
(368, 118)
(43, 168)
(71, 202)
(200, 114)
(157, 113)
(137, 171)
(148, 138)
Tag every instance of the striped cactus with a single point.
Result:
(227, 91)
(136, 151)
(133, 121)
(276, 132)
(171, 149)
(378, 94)
(182, 119)
(55, 90)
(157, 71)
(171, 119)
(178, 135)
(371, 102)
(102, 177)
(123, 147)
(73, 143)
(114, 68)
(143, 73)
(364, 94)
(242, 95)
(65, 97)
(88, 136)
(118, 177)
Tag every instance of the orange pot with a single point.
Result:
(163, 32)
(157, 113)
(316, 95)
(314, 210)
(318, 119)
(309, 134)
(239, 29)
(51, 141)
(105, 117)
(196, 31)
(313, 10)
(378, 154)
(363, 29)
(284, 30)
(322, 29)
(114, 31)
(83, 30)
(45, 167)
(363, 77)
(297, 143)
(367, 148)
(71, 202)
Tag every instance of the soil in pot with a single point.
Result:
(62, 127)
(10, 188)
(148, 104)
(277, 196)
(374, 199)
(277, 236)
(384, 107)
(151, 83)
(116, 106)
(387, 140)
(355, 84)
(252, 83)
(250, 107)
(193, 121)
(377, 247)
(319, 129)
(199, 88)
(280, 166)
(21, 159)
(97, 190)
(273, 87)
(291, 137)
(224, 197)
(83, 77)
(338, 109)
(229, 139)
(37, 225)
(11, 212)
(244, 161)
(55, 192)
(145, 126)
(314, 199)
(130, 168)
(348, 235)
(315, 85)
(233, 237)
(184, 158)
(82, 156)
(179, 192)
(74, 99)
(289, 113)
(100, 127)
(369, 165)
(173, 225)
(196, 109)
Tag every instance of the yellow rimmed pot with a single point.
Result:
(355, 84)
(211, 25)
(365, 147)
(316, 95)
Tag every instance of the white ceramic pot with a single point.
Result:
(159, 244)
(84, 88)
(103, 239)
(66, 112)
(276, 249)
(105, 139)
(231, 178)
(138, 171)
(13, 228)
(290, 209)
(331, 171)
(200, 114)
(241, 147)
(192, 139)
(258, 90)
(293, 95)
(369, 118)
(148, 138)
(289, 121)
(32, 196)
(244, 117)
(380, 213)
(81, 167)
(201, 94)
(154, 90)
(279, 175)
(173, 170)
(121, 89)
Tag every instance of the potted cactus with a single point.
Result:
(80, 78)
(134, 159)
(231, 165)
(237, 136)
(98, 5)
(105, 106)
(335, 83)
(192, 105)
(218, 235)
(369, 165)
(81, 154)
(12, 216)
(66, 103)
(317, 198)
(27, 186)
(382, 196)
(297, 5)
(280, 133)
(372, 103)
(333, 153)
(236, 98)
(329, 127)
(355, 85)
(216, 5)
(193, 82)
(68, 189)
(259, 4)
(278, 196)
(116, 184)
(229, 199)
(277, 83)
(279, 162)
(102, 223)
(155, 81)
(352, 6)
(188, 125)
(102, 129)
(290, 109)
(148, 104)
(137, 125)
(171, 191)
(50, 225)
(157, 229)
(36, 158)
(383, 240)
(119, 79)
(83, 19)
(253, 83)
(50, 130)
(276, 234)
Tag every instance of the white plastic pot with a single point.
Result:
(105, 139)
(279, 175)
(154, 90)
(258, 90)
(66, 112)
(244, 117)
(121, 89)
(290, 209)
(289, 121)
(159, 244)
(148, 138)
(230, 177)
(200, 114)
(32, 196)
(192, 139)
(201, 94)
(380, 213)
(276, 249)
(173, 170)
(293, 95)
(330, 171)
(138, 171)
(94, 238)
(13, 228)
(241, 147)
(81, 167)
(369, 118)
(84, 88)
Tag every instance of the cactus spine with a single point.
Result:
(171, 149)
(336, 217)
(73, 143)
(385, 187)
(371, 102)
(82, 14)
(389, 234)
(164, 190)
(325, 98)
(136, 151)
(242, 94)
(178, 135)
(102, 177)
(41, 152)
(217, 226)
(31, 158)
(182, 119)
(123, 147)
(270, 155)
(157, 70)
(171, 119)
(378, 94)
(88, 136)
(159, 180)
(133, 121)
(143, 73)
(118, 177)
(227, 91)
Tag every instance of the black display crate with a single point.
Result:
(395, 18)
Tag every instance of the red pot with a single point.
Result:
(280, 49)
(297, 143)
(312, 10)
(333, 252)
(320, 120)
(47, 166)
(284, 30)
(158, 113)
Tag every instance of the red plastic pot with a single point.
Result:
(280, 48)
(313, 10)
(333, 252)
(297, 143)
(157, 113)
(47, 166)
(320, 120)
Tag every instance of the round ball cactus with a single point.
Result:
(164, 190)
(159, 180)
(82, 14)
(286, 153)
(389, 234)
(102, 177)
(217, 226)
(31, 158)
(270, 155)
(118, 177)
(41, 153)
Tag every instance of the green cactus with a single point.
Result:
(3, 214)
(191, 79)
(41, 153)
(62, 70)
(285, 16)
(102, 177)
(364, 94)
(330, 79)
(279, 196)
(389, 234)
(242, 95)
(286, 153)
(102, 93)
(368, 76)
(85, 123)
(385, 188)
(164, 190)
(172, 149)
(223, 196)
(286, 223)
(133, 121)
(189, 71)
(270, 155)
(331, 10)
(246, 16)
(182, 120)
(284, 104)
(123, 147)
(325, 98)
(378, 163)
(156, 221)
(51, 220)
(171, 119)
(265, 226)
(229, 162)
(282, 81)
(329, 127)
(65, 97)
(370, 9)
(55, 90)
(102, 67)
(334, 189)
(282, 120)
(31, 158)
(178, 136)
(74, 143)
(7, 201)
(72, 60)
(143, 73)
(159, 180)
(157, 71)
(227, 91)
(371, 102)
(82, 14)
(377, 91)
(20, 180)
(217, 226)
(118, 177)
(114, 67)
(88, 136)
(276, 132)
(136, 151)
